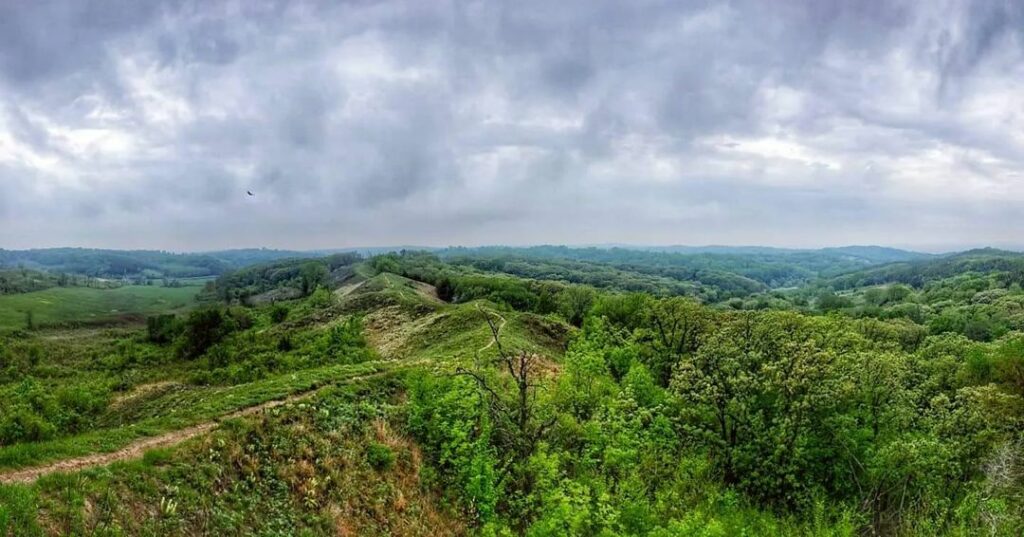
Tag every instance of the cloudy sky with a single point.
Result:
(139, 124)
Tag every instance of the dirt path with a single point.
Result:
(136, 449)
(347, 289)
(500, 327)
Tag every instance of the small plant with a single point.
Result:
(168, 507)
(380, 456)
(321, 298)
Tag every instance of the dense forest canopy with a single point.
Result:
(770, 267)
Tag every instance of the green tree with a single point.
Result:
(574, 302)
(673, 328)
(758, 391)
(311, 276)
(202, 329)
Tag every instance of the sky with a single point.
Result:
(143, 124)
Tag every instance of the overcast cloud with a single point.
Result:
(136, 124)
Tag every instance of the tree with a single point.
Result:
(519, 422)
(278, 313)
(446, 289)
(574, 302)
(758, 391)
(829, 301)
(203, 329)
(311, 276)
(515, 417)
(674, 327)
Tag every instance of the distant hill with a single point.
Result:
(736, 270)
(139, 263)
(877, 254)
(919, 272)
(871, 254)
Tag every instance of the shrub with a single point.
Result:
(321, 298)
(278, 313)
(162, 329)
(24, 425)
(203, 329)
(345, 342)
(380, 456)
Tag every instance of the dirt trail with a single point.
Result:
(500, 327)
(136, 449)
(348, 288)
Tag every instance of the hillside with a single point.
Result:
(726, 271)
(408, 394)
(921, 272)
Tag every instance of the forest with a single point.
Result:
(138, 263)
(544, 391)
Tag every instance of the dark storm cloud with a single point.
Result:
(796, 123)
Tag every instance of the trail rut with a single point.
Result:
(136, 449)
(500, 327)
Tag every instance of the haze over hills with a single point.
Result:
(112, 263)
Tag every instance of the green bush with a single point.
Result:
(162, 329)
(202, 329)
(380, 456)
(278, 313)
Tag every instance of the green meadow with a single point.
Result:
(59, 305)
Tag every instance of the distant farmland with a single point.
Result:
(85, 304)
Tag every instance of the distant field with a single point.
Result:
(83, 304)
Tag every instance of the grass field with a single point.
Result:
(85, 304)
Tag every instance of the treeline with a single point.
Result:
(730, 274)
(25, 281)
(22, 280)
(580, 272)
(139, 263)
(455, 284)
(977, 296)
(301, 275)
(669, 418)
(1008, 265)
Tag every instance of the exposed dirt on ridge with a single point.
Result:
(136, 449)
(141, 391)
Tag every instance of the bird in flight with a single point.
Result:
(249, 192)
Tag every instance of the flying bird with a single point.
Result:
(249, 192)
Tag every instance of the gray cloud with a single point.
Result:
(798, 123)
